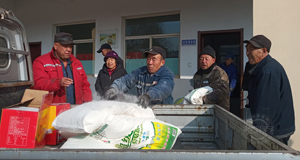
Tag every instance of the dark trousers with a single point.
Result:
(284, 140)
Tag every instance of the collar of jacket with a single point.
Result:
(208, 70)
(158, 73)
(254, 70)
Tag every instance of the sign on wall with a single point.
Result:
(188, 42)
(109, 37)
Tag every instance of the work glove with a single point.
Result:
(144, 100)
(110, 94)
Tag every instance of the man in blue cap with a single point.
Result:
(231, 71)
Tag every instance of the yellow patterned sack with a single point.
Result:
(151, 134)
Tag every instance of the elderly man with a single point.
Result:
(269, 91)
(154, 82)
(212, 75)
(60, 72)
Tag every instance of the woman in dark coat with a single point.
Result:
(110, 71)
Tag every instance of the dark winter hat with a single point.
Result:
(209, 51)
(104, 46)
(112, 54)
(64, 38)
(229, 56)
(156, 50)
(260, 41)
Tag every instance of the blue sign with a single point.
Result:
(188, 42)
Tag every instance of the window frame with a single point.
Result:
(150, 37)
(4, 69)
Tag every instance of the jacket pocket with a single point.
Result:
(80, 71)
(51, 71)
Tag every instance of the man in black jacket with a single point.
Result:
(269, 91)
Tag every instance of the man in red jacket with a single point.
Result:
(60, 72)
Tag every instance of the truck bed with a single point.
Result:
(208, 132)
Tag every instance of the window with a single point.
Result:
(83, 36)
(4, 57)
(143, 33)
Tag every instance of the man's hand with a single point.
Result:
(110, 94)
(144, 100)
(65, 82)
(198, 100)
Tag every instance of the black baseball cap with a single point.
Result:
(64, 38)
(104, 46)
(260, 41)
(156, 50)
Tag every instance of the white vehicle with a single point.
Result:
(15, 61)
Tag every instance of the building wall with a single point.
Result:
(202, 15)
(40, 17)
(279, 20)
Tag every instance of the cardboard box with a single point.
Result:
(34, 98)
(23, 125)
(53, 137)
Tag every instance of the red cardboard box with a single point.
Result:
(23, 124)
(52, 136)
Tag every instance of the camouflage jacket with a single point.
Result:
(216, 78)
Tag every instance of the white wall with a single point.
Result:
(210, 15)
(279, 20)
(39, 18)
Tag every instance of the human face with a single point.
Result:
(206, 61)
(63, 51)
(228, 61)
(154, 62)
(105, 51)
(111, 63)
(254, 54)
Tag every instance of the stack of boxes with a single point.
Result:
(28, 124)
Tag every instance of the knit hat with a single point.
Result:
(209, 51)
(112, 54)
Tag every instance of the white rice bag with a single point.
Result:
(89, 116)
(195, 96)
